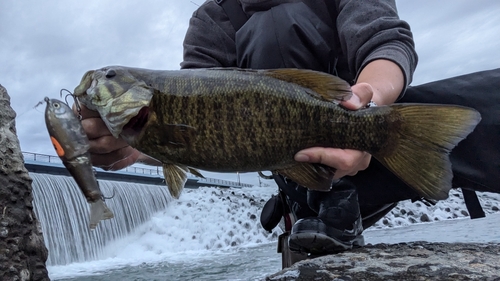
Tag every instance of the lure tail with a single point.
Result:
(98, 212)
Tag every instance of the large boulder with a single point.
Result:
(22, 250)
(404, 261)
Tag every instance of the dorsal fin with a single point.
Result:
(323, 85)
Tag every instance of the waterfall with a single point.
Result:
(63, 213)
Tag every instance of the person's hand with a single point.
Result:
(345, 161)
(107, 152)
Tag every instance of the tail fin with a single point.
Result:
(426, 136)
(98, 212)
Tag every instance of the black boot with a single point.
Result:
(296, 197)
(337, 227)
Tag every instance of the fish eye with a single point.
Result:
(57, 105)
(110, 73)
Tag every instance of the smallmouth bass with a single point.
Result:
(235, 120)
(72, 145)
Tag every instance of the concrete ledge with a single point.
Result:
(155, 179)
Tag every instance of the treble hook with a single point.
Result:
(264, 176)
(111, 197)
(77, 102)
(102, 196)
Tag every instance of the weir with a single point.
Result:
(49, 164)
(63, 212)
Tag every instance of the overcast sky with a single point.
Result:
(48, 45)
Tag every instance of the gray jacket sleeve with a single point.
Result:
(209, 41)
(370, 30)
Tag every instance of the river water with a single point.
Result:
(207, 234)
(254, 263)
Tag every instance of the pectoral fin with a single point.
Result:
(175, 177)
(313, 176)
(179, 135)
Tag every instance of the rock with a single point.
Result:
(22, 251)
(425, 218)
(404, 261)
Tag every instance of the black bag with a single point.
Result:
(272, 212)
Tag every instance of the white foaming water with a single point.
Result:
(407, 213)
(201, 225)
(64, 213)
(202, 220)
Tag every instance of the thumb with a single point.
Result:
(362, 94)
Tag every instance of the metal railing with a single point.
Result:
(37, 157)
(41, 157)
(55, 159)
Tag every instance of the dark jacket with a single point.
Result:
(367, 30)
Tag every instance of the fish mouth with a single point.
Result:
(136, 124)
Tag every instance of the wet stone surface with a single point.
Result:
(404, 261)
(22, 251)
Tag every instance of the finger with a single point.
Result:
(362, 95)
(95, 128)
(106, 145)
(117, 159)
(345, 161)
(362, 165)
(85, 112)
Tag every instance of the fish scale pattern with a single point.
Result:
(221, 120)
